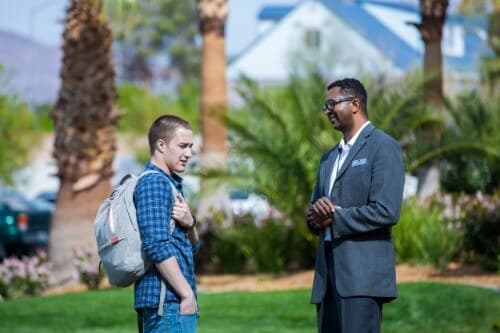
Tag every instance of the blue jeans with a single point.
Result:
(171, 321)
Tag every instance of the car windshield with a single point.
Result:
(15, 200)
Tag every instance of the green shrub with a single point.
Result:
(482, 229)
(426, 233)
(267, 246)
(229, 253)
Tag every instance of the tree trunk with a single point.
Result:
(213, 87)
(433, 14)
(433, 68)
(213, 102)
(212, 15)
(72, 227)
(491, 64)
(85, 118)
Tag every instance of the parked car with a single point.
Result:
(24, 223)
(48, 196)
(244, 202)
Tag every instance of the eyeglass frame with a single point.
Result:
(329, 108)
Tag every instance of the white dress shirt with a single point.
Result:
(344, 149)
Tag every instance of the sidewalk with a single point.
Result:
(302, 280)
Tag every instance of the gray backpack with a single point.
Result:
(117, 234)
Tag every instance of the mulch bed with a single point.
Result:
(454, 273)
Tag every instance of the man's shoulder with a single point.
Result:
(381, 136)
(150, 179)
(328, 153)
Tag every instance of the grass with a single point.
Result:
(421, 307)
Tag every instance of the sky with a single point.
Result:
(43, 20)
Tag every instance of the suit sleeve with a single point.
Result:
(383, 206)
(315, 196)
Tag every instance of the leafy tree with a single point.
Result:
(18, 131)
(140, 107)
(150, 27)
(279, 136)
(489, 9)
(475, 120)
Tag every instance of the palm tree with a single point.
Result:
(213, 105)
(280, 135)
(433, 16)
(212, 19)
(85, 118)
(491, 65)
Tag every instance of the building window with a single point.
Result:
(312, 38)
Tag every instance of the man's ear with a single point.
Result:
(356, 105)
(160, 145)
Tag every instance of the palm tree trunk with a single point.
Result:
(72, 226)
(213, 101)
(85, 118)
(212, 15)
(433, 14)
(212, 19)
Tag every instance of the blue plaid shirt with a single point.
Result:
(153, 199)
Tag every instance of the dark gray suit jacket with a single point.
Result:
(369, 188)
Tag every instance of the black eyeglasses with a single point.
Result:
(330, 103)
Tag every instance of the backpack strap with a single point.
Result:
(148, 172)
(163, 290)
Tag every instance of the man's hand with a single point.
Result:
(320, 214)
(188, 305)
(182, 214)
(323, 207)
(171, 272)
(315, 221)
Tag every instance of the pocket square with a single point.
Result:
(361, 161)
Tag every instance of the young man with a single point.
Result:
(356, 201)
(168, 232)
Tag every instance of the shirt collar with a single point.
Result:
(174, 177)
(347, 146)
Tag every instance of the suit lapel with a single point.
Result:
(360, 142)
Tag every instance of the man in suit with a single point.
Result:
(355, 202)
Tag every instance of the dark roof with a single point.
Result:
(352, 13)
(404, 56)
(274, 13)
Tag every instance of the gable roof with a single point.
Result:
(366, 18)
(356, 16)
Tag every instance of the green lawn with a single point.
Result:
(421, 307)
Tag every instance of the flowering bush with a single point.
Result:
(25, 276)
(87, 268)
(481, 220)
(445, 226)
